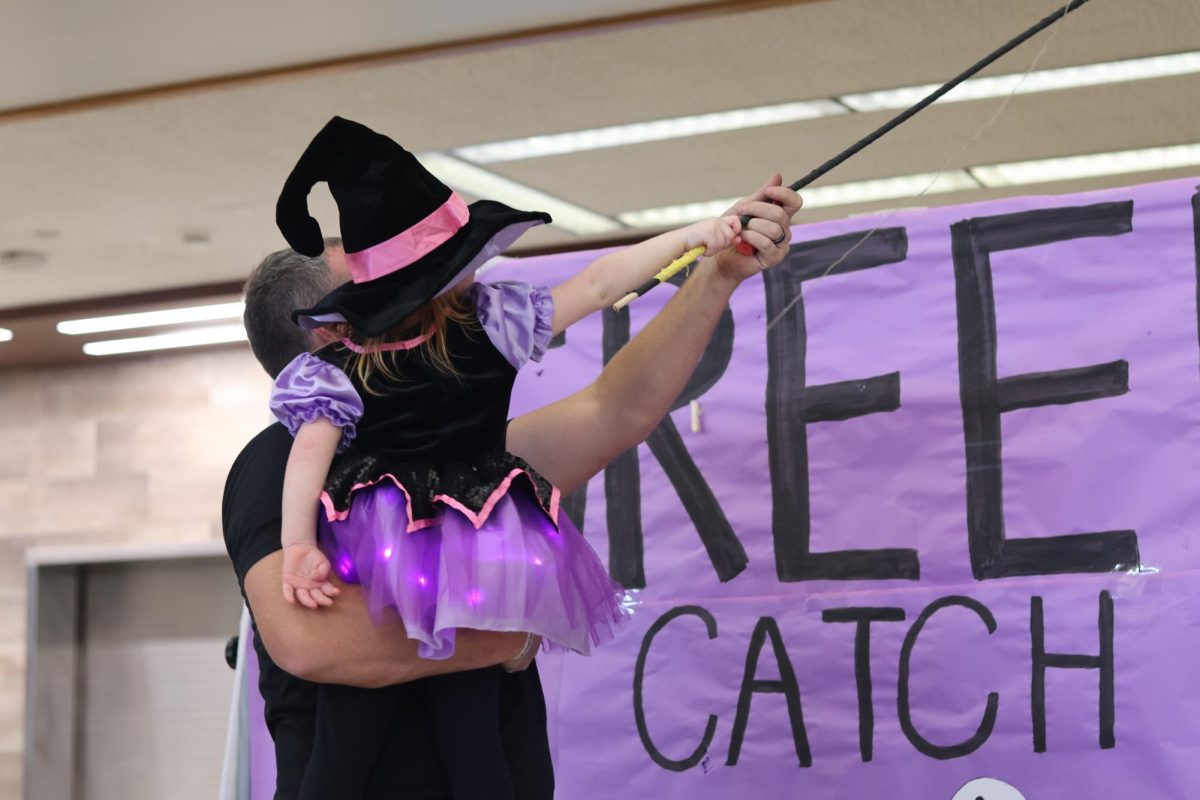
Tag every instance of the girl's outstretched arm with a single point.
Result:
(610, 277)
(305, 567)
(572, 439)
(607, 279)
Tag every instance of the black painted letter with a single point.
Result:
(863, 617)
(792, 405)
(985, 397)
(1103, 662)
(639, 674)
(1196, 237)
(622, 477)
(786, 685)
(903, 706)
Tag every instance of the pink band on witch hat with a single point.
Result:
(410, 245)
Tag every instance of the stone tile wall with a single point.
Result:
(111, 451)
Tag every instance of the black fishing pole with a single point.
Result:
(690, 256)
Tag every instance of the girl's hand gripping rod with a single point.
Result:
(690, 256)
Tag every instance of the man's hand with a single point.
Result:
(771, 209)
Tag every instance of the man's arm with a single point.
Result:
(341, 644)
(574, 438)
(568, 442)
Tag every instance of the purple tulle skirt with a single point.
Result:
(516, 572)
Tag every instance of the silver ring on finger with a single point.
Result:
(782, 236)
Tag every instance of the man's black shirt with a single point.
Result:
(411, 768)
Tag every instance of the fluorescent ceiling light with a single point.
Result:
(674, 216)
(479, 182)
(975, 89)
(1098, 164)
(5, 335)
(194, 337)
(653, 131)
(151, 319)
(909, 186)
(819, 197)
(1044, 80)
(952, 180)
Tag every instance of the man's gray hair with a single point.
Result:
(283, 282)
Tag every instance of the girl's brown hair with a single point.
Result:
(432, 318)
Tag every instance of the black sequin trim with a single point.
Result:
(469, 483)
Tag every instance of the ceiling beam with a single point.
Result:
(694, 10)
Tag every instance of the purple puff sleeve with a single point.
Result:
(516, 317)
(309, 388)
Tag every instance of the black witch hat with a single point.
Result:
(407, 236)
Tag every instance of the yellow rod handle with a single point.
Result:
(683, 262)
(664, 275)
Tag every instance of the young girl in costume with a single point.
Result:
(400, 426)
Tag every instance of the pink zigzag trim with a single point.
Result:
(332, 514)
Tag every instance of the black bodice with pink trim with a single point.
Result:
(435, 434)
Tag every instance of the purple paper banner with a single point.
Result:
(952, 493)
(940, 523)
